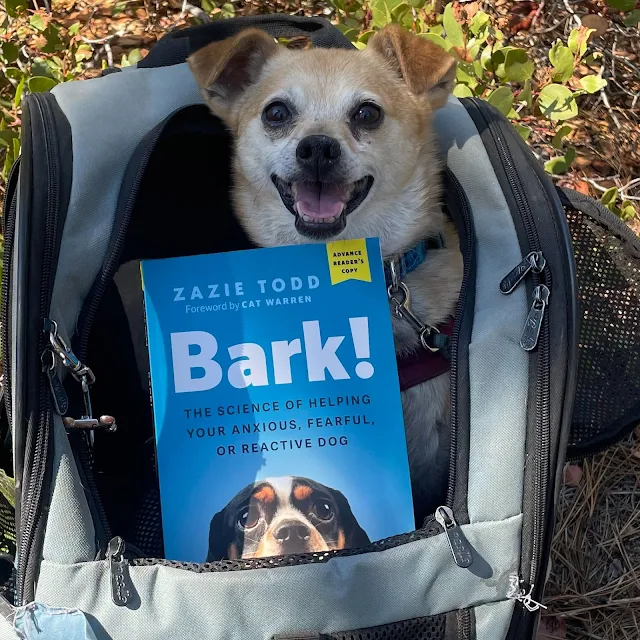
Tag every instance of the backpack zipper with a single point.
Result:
(9, 208)
(455, 338)
(36, 458)
(460, 548)
(543, 377)
(122, 588)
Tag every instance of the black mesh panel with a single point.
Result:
(607, 402)
(431, 628)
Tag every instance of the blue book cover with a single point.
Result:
(276, 401)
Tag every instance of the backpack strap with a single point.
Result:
(177, 46)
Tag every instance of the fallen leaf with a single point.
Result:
(594, 21)
(572, 475)
(551, 628)
(582, 187)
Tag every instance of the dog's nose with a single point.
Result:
(292, 531)
(318, 153)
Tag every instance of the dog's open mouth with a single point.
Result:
(321, 208)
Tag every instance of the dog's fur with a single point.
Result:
(285, 515)
(409, 78)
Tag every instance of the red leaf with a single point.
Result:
(572, 475)
(551, 628)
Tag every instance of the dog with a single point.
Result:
(284, 515)
(338, 144)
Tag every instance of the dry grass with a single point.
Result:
(595, 579)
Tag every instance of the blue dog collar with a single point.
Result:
(410, 260)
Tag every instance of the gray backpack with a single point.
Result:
(107, 177)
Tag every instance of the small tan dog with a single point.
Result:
(336, 144)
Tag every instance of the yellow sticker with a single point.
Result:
(348, 260)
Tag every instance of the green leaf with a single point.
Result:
(517, 65)
(578, 39)
(9, 52)
(560, 134)
(18, 94)
(7, 137)
(622, 5)
(365, 37)
(609, 197)
(525, 94)
(562, 61)
(627, 211)
(561, 164)
(462, 91)
(54, 43)
(633, 19)
(228, 10)
(439, 40)
(524, 132)
(15, 7)
(348, 32)
(83, 52)
(465, 74)
(38, 22)
(40, 84)
(593, 84)
(74, 29)
(502, 99)
(118, 8)
(135, 56)
(479, 23)
(557, 102)
(486, 58)
(452, 27)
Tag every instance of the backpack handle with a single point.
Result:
(177, 46)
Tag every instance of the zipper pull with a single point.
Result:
(519, 594)
(532, 326)
(460, 548)
(121, 586)
(58, 394)
(104, 423)
(534, 262)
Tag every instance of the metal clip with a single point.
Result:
(85, 377)
(516, 592)
(402, 309)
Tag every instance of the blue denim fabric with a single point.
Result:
(36, 621)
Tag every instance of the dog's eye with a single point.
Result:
(323, 509)
(248, 517)
(276, 113)
(367, 114)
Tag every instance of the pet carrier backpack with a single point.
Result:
(109, 175)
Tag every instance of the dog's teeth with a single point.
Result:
(306, 218)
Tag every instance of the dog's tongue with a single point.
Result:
(319, 200)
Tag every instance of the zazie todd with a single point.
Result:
(234, 289)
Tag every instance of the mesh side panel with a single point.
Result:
(7, 546)
(608, 386)
(431, 628)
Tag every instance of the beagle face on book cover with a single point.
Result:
(284, 515)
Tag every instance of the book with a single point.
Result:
(276, 401)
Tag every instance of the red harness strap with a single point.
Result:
(423, 365)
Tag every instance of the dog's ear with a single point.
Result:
(219, 538)
(427, 69)
(355, 536)
(225, 69)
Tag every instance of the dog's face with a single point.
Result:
(329, 143)
(283, 515)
